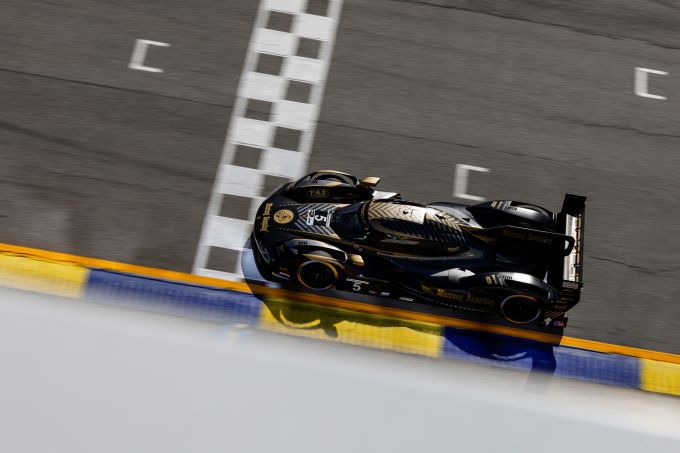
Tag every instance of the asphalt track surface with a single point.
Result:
(104, 161)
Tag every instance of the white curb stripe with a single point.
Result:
(231, 233)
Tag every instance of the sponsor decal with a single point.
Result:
(357, 284)
(284, 216)
(282, 275)
(264, 226)
(542, 240)
(526, 237)
(318, 193)
(514, 234)
(384, 294)
(263, 251)
(267, 209)
(407, 299)
(447, 294)
(318, 218)
(479, 300)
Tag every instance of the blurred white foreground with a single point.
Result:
(80, 377)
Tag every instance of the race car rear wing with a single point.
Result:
(567, 273)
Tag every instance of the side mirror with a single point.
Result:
(357, 260)
(370, 181)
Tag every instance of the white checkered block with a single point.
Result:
(272, 126)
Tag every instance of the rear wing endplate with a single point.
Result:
(571, 220)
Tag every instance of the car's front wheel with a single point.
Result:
(318, 275)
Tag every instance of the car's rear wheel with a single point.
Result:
(521, 308)
(317, 275)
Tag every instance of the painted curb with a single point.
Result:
(232, 303)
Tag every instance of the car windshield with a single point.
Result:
(347, 222)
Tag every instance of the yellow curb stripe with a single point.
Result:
(345, 304)
(660, 377)
(610, 348)
(360, 329)
(122, 267)
(49, 277)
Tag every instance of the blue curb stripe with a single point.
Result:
(225, 306)
(498, 350)
(593, 366)
(158, 292)
(510, 352)
(180, 299)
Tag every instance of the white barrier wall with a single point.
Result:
(81, 377)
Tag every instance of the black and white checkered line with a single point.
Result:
(270, 135)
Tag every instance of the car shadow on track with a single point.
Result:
(501, 349)
(384, 331)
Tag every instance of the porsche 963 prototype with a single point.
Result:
(331, 230)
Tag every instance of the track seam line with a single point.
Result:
(101, 85)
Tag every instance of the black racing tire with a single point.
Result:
(547, 223)
(535, 208)
(521, 308)
(317, 275)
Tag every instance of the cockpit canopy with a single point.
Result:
(348, 222)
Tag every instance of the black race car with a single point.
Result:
(331, 230)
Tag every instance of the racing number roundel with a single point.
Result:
(283, 216)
